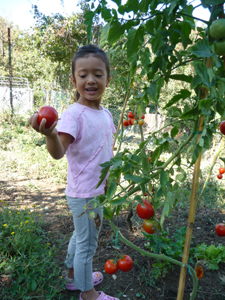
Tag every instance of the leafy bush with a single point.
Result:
(26, 255)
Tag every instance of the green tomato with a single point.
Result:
(217, 29)
(219, 47)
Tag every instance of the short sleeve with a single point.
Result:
(68, 124)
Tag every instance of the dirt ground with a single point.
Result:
(132, 285)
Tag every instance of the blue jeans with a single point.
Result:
(83, 243)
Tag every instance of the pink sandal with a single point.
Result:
(102, 296)
(97, 279)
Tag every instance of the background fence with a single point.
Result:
(22, 95)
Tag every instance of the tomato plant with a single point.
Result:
(146, 211)
(125, 263)
(149, 226)
(221, 170)
(219, 176)
(48, 113)
(220, 229)
(126, 123)
(111, 266)
(222, 127)
(131, 115)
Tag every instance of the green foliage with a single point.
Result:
(211, 255)
(169, 246)
(26, 254)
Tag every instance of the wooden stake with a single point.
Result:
(192, 208)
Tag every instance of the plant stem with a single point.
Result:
(158, 256)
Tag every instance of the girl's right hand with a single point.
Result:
(51, 131)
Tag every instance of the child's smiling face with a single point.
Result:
(91, 79)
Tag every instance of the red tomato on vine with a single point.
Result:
(146, 211)
(221, 170)
(149, 226)
(111, 267)
(126, 123)
(220, 229)
(222, 127)
(131, 115)
(219, 176)
(125, 263)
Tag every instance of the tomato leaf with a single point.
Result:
(135, 178)
(107, 212)
(118, 201)
(167, 207)
(111, 190)
(183, 94)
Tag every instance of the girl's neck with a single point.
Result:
(91, 104)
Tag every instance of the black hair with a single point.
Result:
(87, 50)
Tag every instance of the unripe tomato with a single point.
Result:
(217, 29)
(222, 127)
(134, 122)
(149, 226)
(125, 264)
(48, 113)
(219, 176)
(111, 267)
(131, 115)
(221, 170)
(220, 47)
(141, 122)
(220, 229)
(146, 211)
(126, 123)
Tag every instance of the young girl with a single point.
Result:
(84, 133)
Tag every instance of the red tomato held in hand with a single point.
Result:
(125, 264)
(131, 115)
(149, 226)
(146, 211)
(221, 170)
(222, 127)
(219, 176)
(111, 267)
(126, 123)
(220, 229)
(48, 113)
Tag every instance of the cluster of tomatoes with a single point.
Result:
(221, 171)
(146, 212)
(125, 264)
(132, 120)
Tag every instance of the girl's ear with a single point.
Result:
(73, 80)
(108, 81)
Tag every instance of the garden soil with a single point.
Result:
(137, 284)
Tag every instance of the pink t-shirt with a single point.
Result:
(92, 145)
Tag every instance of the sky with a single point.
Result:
(19, 11)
